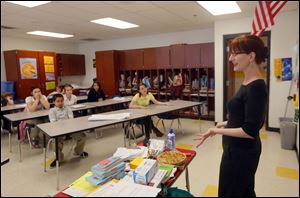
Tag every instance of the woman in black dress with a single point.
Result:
(246, 116)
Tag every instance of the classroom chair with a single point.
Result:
(169, 117)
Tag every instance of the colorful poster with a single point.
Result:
(49, 68)
(50, 85)
(50, 76)
(48, 60)
(28, 68)
(278, 69)
(287, 72)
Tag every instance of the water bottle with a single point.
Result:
(171, 140)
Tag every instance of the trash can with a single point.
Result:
(287, 133)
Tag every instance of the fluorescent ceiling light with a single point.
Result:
(29, 4)
(50, 34)
(114, 23)
(220, 7)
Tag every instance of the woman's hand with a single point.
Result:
(202, 137)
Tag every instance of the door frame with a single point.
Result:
(225, 39)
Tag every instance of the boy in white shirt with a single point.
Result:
(61, 112)
(69, 97)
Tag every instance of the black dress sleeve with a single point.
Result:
(255, 108)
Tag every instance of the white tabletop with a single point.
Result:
(109, 102)
(69, 126)
(20, 116)
(81, 98)
(175, 105)
(13, 107)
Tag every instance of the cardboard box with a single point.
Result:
(145, 172)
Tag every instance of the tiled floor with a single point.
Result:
(277, 174)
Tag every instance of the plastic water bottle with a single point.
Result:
(171, 140)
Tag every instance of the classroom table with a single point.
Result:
(190, 154)
(113, 101)
(9, 108)
(23, 116)
(64, 127)
(174, 105)
(81, 99)
(80, 124)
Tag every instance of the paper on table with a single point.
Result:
(125, 189)
(116, 116)
(74, 192)
(82, 184)
(130, 154)
(118, 98)
(78, 106)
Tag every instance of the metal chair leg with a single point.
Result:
(97, 136)
(48, 145)
(133, 135)
(180, 126)
(163, 123)
(27, 131)
(171, 123)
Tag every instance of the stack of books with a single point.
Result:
(105, 170)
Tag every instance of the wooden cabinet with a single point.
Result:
(162, 57)
(132, 59)
(192, 55)
(71, 64)
(150, 58)
(177, 56)
(107, 69)
(207, 55)
(24, 82)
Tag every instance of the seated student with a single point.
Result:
(140, 101)
(6, 99)
(96, 93)
(36, 102)
(61, 112)
(58, 89)
(177, 86)
(69, 97)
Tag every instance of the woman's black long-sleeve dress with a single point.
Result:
(241, 155)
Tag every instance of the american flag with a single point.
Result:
(265, 13)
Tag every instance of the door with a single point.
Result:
(107, 72)
(233, 80)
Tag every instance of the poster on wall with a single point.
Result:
(283, 69)
(28, 68)
(50, 76)
(278, 69)
(287, 72)
(48, 60)
(49, 68)
(50, 85)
